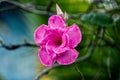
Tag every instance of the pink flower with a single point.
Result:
(57, 41)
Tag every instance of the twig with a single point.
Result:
(16, 46)
(34, 9)
(30, 8)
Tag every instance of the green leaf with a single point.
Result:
(100, 19)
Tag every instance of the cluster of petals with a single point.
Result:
(57, 41)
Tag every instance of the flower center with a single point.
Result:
(59, 42)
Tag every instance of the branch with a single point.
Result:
(28, 7)
(16, 46)
(34, 9)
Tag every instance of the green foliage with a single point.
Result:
(73, 6)
(99, 19)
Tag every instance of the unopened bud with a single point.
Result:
(65, 16)
(59, 11)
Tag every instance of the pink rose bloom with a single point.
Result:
(57, 41)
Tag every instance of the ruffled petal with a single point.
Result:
(45, 58)
(50, 46)
(56, 46)
(64, 45)
(67, 57)
(56, 21)
(39, 34)
(65, 40)
(59, 50)
(75, 35)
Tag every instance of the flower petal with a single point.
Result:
(67, 57)
(45, 58)
(75, 35)
(56, 21)
(52, 44)
(64, 46)
(39, 34)
(59, 50)
(65, 40)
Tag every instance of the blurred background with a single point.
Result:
(98, 20)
